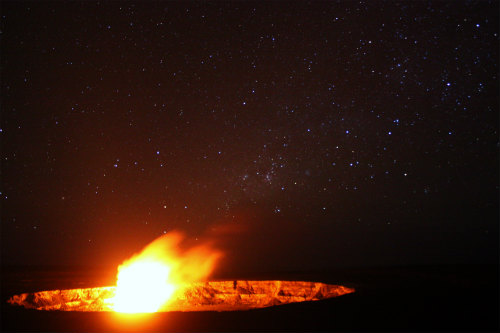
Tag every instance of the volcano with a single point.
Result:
(200, 296)
(167, 276)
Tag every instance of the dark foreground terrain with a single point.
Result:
(434, 298)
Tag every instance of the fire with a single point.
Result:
(142, 287)
(147, 281)
(167, 276)
(198, 296)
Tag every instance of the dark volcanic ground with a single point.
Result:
(433, 298)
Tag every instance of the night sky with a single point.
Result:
(300, 135)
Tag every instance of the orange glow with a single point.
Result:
(142, 287)
(167, 276)
(198, 296)
(147, 281)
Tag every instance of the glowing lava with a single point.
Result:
(142, 287)
(147, 281)
(167, 275)
(198, 296)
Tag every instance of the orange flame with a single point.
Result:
(147, 281)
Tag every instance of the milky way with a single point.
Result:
(370, 129)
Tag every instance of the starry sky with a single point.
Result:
(302, 134)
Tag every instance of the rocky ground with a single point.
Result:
(437, 298)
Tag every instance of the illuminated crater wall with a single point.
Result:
(203, 296)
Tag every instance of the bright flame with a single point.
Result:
(146, 282)
(142, 287)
